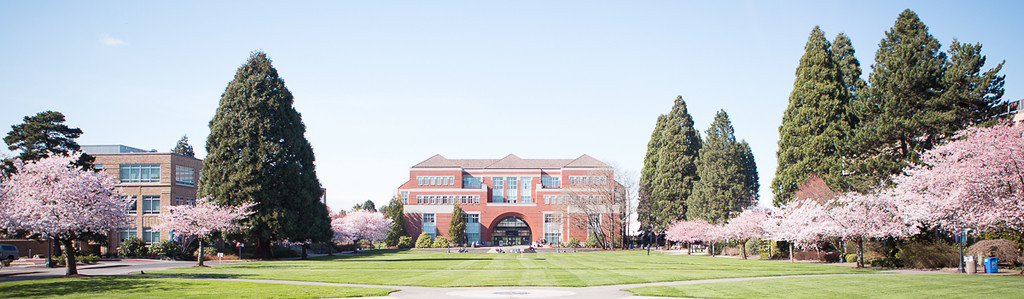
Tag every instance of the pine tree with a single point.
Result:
(43, 134)
(676, 171)
(257, 152)
(722, 188)
(752, 181)
(902, 115)
(367, 205)
(849, 67)
(396, 212)
(816, 123)
(183, 148)
(457, 226)
(645, 209)
(971, 95)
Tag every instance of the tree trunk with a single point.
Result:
(69, 256)
(304, 256)
(743, 249)
(330, 248)
(860, 252)
(263, 249)
(790, 252)
(199, 258)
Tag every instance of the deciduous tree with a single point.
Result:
(54, 198)
(749, 224)
(361, 225)
(202, 220)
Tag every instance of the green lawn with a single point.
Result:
(149, 287)
(854, 286)
(422, 268)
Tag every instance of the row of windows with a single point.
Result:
(447, 199)
(150, 205)
(470, 218)
(185, 175)
(588, 180)
(435, 181)
(140, 173)
(561, 200)
(549, 182)
(149, 235)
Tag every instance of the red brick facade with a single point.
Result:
(496, 189)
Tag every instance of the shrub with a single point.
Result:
(572, 243)
(928, 255)
(279, 252)
(592, 241)
(405, 242)
(423, 241)
(132, 247)
(440, 242)
(828, 257)
(887, 262)
(88, 259)
(766, 256)
(165, 248)
(851, 258)
(1003, 250)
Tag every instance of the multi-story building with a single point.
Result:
(153, 179)
(508, 201)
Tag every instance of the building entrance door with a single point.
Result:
(511, 231)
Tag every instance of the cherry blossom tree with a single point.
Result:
(801, 223)
(361, 225)
(745, 226)
(688, 232)
(202, 220)
(55, 198)
(973, 183)
(859, 216)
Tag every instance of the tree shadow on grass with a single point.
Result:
(86, 285)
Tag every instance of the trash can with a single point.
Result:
(972, 266)
(991, 265)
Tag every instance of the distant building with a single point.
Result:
(153, 179)
(508, 201)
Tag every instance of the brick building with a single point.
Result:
(508, 201)
(154, 179)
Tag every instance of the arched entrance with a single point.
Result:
(511, 230)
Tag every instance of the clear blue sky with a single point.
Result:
(383, 85)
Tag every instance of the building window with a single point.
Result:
(126, 233)
(472, 218)
(498, 194)
(525, 182)
(470, 182)
(405, 197)
(476, 199)
(419, 181)
(428, 217)
(133, 207)
(185, 176)
(553, 238)
(150, 204)
(140, 173)
(150, 236)
(97, 167)
(549, 182)
(419, 199)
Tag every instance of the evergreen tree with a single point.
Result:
(257, 152)
(849, 68)
(43, 134)
(648, 173)
(902, 114)
(752, 181)
(396, 212)
(816, 124)
(722, 188)
(183, 148)
(457, 226)
(676, 171)
(366, 205)
(971, 96)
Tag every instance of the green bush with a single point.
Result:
(165, 248)
(851, 258)
(887, 262)
(440, 242)
(572, 243)
(766, 256)
(423, 241)
(592, 241)
(279, 252)
(88, 259)
(929, 255)
(405, 242)
(132, 247)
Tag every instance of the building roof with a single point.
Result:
(113, 149)
(510, 162)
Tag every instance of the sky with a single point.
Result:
(384, 85)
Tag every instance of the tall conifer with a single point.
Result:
(257, 152)
(396, 212)
(722, 188)
(751, 178)
(676, 169)
(645, 207)
(816, 123)
(970, 95)
(457, 226)
(902, 114)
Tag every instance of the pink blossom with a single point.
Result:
(802, 222)
(361, 225)
(746, 225)
(688, 231)
(202, 219)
